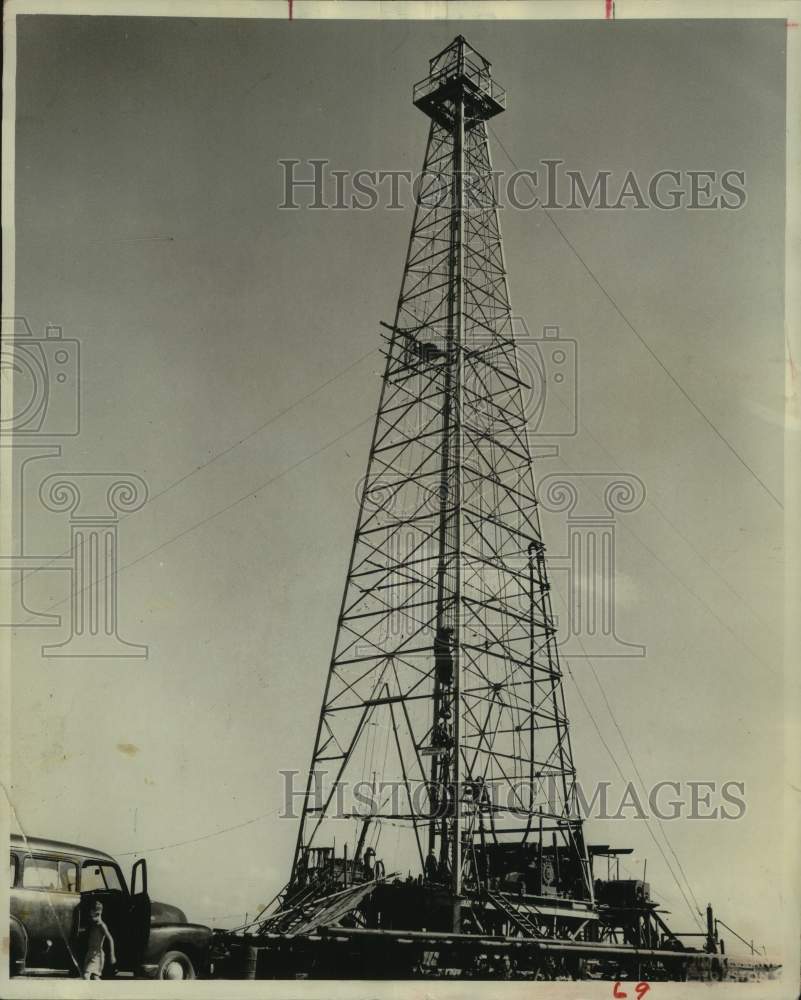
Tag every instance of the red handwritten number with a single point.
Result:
(640, 989)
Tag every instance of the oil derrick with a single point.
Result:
(445, 642)
(440, 816)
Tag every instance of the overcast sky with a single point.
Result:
(147, 227)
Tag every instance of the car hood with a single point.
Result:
(164, 913)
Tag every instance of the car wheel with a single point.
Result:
(175, 965)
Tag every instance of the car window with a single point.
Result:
(12, 871)
(96, 875)
(49, 873)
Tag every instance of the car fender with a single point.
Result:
(18, 946)
(192, 939)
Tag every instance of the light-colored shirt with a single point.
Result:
(95, 956)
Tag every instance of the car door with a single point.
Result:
(139, 914)
(45, 901)
(102, 881)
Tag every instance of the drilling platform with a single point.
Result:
(443, 727)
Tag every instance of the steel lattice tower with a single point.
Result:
(445, 679)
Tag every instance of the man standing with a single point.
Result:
(95, 957)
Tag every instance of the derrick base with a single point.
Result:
(347, 920)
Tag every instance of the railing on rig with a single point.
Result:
(479, 76)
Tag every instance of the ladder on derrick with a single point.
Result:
(520, 920)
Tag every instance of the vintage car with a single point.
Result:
(53, 888)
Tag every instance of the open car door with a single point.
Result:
(139, 919)
(101, 882)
